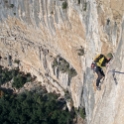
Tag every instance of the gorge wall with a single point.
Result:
(57, 43)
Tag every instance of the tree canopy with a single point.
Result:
(33, 108)
(19, 78)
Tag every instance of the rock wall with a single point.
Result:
(38, 32)
(109, 103)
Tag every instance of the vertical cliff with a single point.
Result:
(57, 40)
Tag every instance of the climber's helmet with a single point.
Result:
(109, 56)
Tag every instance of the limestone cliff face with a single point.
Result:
(44, 34)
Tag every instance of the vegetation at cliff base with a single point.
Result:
(33, 108)
(36, 106)
(5, 75)
(17, 77)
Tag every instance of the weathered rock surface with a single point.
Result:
(36, 32)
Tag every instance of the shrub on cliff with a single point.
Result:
(85, 6)
(79, 1)
(12, 5)
(82, 112)
(81, 52)
(62, 65)
(17, 61)
(72, 72)
(64, 5)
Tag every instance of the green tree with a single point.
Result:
(31, 108)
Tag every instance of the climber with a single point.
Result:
(99, 62)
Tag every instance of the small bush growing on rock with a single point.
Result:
(64, 5)
(108, 21)
(72, 72)
(12, 5)
(81, 52)
(78, 1)
(67, 95)
(17, 61)
(51, 12)
(63, 66)
(55, 63)
(85, 6)
(82, 112)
